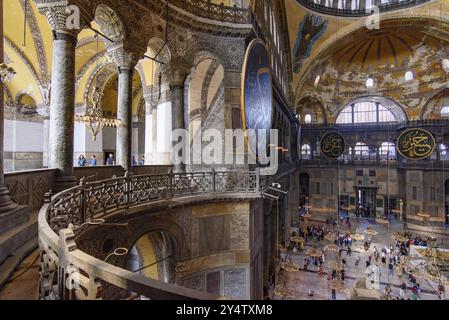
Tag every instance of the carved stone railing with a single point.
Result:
(362, 10)
(62, 216)
(213, 11)
(29, 187)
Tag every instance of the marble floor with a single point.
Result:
(24, 283)
(299, 282)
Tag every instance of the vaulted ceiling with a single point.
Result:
(29, 53)
(334, 56)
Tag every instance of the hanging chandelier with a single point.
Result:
(93, 118)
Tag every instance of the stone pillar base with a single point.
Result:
(64, 182)
(6, 203)
(180, 168)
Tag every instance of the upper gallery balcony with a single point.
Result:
(357, 7)
(231, 11)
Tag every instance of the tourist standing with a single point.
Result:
(81, 161)
(401, 294)
(110, 160)
(93, 161)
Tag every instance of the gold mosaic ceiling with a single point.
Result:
(388, 49)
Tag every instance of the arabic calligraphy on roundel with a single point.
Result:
(416, 144)
(332, 145)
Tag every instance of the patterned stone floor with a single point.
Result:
(301, 281)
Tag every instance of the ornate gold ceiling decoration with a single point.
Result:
(415, 45)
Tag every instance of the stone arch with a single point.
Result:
(158, 46)
(25, 102)
(161, 224)
(101, 75)
(432, 108)
(110, 22)
(205, 93)
(311, 104)
(153, 247)
(202, 55)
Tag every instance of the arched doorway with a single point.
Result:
(154, 255)
(304, 187)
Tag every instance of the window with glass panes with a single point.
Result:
(365, 112)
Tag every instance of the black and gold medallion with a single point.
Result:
(416, 144)
(333, 145)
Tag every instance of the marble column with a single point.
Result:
(178, 76)
(126, 60)
(62, 110)
(124, 115)
(62, 101)
(150, 132)
(6, 203)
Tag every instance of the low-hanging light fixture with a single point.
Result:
(93, 118)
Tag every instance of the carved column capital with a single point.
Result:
(63, 19)
(123, 58)
(176, 75)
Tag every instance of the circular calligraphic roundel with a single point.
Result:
(257, 95)
(415, 144)
(332, 145)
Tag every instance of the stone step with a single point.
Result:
(13, 218)
(14, 238)
(8, 267)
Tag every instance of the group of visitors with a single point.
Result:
(82, 162)
(344, 240)
(313, 233)
(141, 161)
(317, 262)
(110, 161)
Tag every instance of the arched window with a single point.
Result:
(445, 112)
(365, 112)
(308, 118)
(369, 82)
(306, 152)
(445, 64)
(409, 76)
(361, 151)
(317, 80)
(387, 151)
(26, 104)
(444, 154)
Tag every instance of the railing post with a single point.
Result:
(257, 179)
(83, 200)
(127, 188)
(213, 179)
(47, 200)
(170, 183)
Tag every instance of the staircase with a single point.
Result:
(18, 238)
